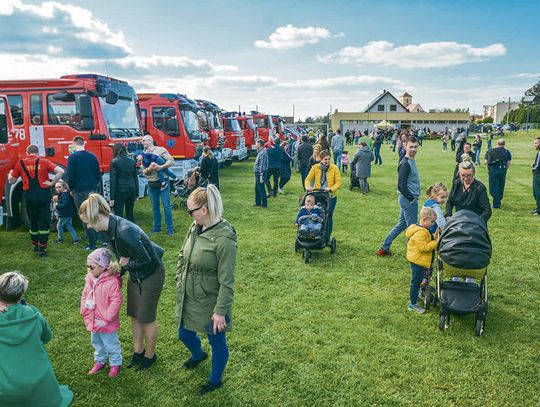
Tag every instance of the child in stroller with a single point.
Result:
(164, 174)
(309, 219)
(464, 250)
(184, 186)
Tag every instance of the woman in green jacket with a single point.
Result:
(204, 283)
(27, 377)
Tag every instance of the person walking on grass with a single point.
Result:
(498, 160)
(377, 143)
(337, 148)
(536, 177)
(34, 172)
(420, 248)
(260, 169)
(205, 283)
(83, 178)
(305, 151)
(141, 257)
(361, 165)
(285, 169)
(124, 183)
(101, 300)
(275, 155)
(408, 193)
(66, 210)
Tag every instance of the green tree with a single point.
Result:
(534, 91)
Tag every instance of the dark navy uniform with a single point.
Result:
(498, 159)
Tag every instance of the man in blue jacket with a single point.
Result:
(274, 166)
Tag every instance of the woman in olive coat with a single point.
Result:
(205, 283)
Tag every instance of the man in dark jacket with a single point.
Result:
(536, 177)
(498, 161)
(274, 166)
(408, 193)
(83, 176)
(305, 151)
(468, 193)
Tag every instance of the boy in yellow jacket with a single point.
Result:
(420, 250)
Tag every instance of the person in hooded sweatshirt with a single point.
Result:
(26, 375)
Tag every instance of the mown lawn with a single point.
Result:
(333, 332)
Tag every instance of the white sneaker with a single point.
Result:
(280, 190)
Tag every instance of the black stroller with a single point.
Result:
(464, 251)
(184, 186)
(323, 239)
(354, 180)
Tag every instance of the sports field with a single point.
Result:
(335, 332)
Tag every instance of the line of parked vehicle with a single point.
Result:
(50, 112)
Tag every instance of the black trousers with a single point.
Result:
(497, 180)
(124, 200)
(536, 191)
(274, 173)
(39, 214)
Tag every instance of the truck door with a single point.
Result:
(37, 136)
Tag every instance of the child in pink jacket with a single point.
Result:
(100, 305)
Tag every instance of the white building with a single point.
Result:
(497, 111)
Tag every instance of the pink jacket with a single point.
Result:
(107, 298)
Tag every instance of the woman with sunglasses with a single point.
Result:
(205, 282)
(141, 257)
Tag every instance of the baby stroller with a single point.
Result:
(354, 180)
(323, 239)
(464, 250)
(183, 187)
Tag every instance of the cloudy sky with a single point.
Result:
(276, 54)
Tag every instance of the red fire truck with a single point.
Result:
(50, 112)
(171, 119)
(265, 126)
(211, 121)
(234, 135)
(279, 128)
(8, 148)
(250, 131)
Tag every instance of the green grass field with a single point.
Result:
(334, 332)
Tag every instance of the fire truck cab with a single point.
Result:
(49, 113)
(265, 126)
(211, 122)
(172, 120)
(279, 128)
(8, 149)
(234, 136)
(250, 131)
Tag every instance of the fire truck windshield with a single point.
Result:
(250, 125)
(215, 120)
(232, 124)
(191, 124)
(121, 118)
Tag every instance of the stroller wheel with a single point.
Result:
(444, 322)
(333, 245)
(296, 247)
(175, 206)
(307, 256)
(480, 325)
(428, 296)
(350, 187)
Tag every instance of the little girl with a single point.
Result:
(100, 304)
(345, 161)
(437, 196)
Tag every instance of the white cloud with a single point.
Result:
(343, 82)
(289, 37)
(526, 75)
(424, 55)
(44, 29)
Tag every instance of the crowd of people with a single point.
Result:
(207, 259)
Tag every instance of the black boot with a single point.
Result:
(136, 359)
(192, 364)
(209, 387)
(147, 363)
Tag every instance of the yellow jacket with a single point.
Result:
(333, 178)
(421, 246)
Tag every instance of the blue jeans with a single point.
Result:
(304, 171)
(408, 214)
(155, 194)
(79, 197)
(417, 274)
(333, 203)
(337, 158)
(378, 159)
(477, 156)
(497, 180)
(107, 345)
(67, 223)
(220, 351)
(260, 191)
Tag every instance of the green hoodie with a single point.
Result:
(205, 276)
(27, 377)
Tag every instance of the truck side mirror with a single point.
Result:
(64, 96)
(111, 98)
(87, 124)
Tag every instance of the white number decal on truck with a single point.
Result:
(21, 134)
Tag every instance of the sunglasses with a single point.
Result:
(190, 211)
(90, 266)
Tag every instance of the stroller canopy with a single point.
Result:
(464, 243)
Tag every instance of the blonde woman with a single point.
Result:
(141, 257)
(205, 283)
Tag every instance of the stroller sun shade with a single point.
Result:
(464, 242)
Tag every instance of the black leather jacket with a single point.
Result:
(126, 239)
(124, 176)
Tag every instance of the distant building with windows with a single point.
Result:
(499, 110)
(402, 113)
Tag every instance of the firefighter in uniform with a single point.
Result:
(34, 172)
(498, 161)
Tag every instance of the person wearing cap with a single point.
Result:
(34, 171)
(498, 160)
(26, 375)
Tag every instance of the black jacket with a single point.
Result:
(124, 177)
(305, 151)
(65, 206)
(476, 199)
(83, 173)
(126, 239)
(209, 170)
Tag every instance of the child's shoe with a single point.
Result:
(164, 185)
(96, 368)
(424, 282)
(469, 280)
(416, 308)
(115, 371)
